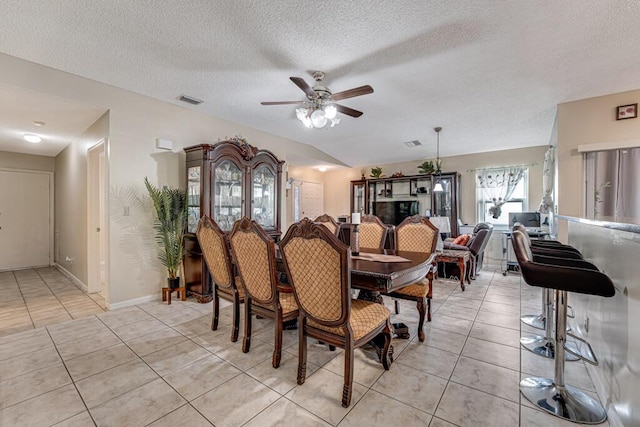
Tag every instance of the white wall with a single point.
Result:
(27, 161)
(134, 122)
(587, 121)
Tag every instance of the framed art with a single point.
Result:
(627, 112)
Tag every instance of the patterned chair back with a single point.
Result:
(213, 243)
(328, 222)
(416, 234)
(373, 232)
(255, 257)
(319, 271)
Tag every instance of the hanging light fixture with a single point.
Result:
(317, 114)
(438, 187)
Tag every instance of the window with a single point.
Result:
(518, 202)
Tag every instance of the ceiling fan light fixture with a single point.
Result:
(330, 111)
(34, 139)
(318, 118)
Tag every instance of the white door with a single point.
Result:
(25, 229)
(311, 199)
(96, 245)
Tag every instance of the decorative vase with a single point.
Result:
(174, 283)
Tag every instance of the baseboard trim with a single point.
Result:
(84, 288)
(135, 301)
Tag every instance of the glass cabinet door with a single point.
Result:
(263, 197)
(358, 197)
(227, 202)
(193, 198)
(442, 199)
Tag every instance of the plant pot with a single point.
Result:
(174, 283)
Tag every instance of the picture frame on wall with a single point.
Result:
(629, 111)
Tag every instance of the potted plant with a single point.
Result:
(170, 225)
(426, 167)
(376, 172)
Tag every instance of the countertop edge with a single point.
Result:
(621, 226)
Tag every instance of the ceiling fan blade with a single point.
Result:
(282, 102)
(357, 91)
(348, 111)
(304, 86)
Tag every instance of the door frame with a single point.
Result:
(51, 205)
(94, 185)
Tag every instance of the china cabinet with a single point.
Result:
(227, 181)
(393, 199)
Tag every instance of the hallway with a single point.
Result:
(33, 298)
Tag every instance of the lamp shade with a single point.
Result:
(442, 223)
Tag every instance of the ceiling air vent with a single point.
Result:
(412, 144)
(190, 99)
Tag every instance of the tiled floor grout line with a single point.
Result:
(61, 303)
(72, 381)
(24, 301)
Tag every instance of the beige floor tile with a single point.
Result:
(367, 368)
(258, 352)
(71, 349)
(428, 359)
(106, 385)
(183, 416)
(468, 407)
(155, 341)
(32, 384)
(283, 379)
(497, 334)
(321, 394)
(201, 376)
(172, 358)
(281, 414)
(138, 407)
(236, 401)
(490, 352)
(98, 361)
(138, 329)
(83, 419)
(412, 387)
(123, 316)
(45, 409)
(379, 410)
(487, 377)
(26, 345)
(15, 366)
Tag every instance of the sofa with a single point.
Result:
(475, 244)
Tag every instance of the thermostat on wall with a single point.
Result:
(164, 144)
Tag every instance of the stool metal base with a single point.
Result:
(534, 320)
(544, 347)
(565, 402)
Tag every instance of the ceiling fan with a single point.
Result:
(320, 107)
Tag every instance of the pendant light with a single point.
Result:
(438, 187)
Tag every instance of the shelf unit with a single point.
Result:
(411, 187)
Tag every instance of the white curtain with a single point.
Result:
(498, 186)
(546, 205)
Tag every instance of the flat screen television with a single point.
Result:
(528, 219)
(394, 212)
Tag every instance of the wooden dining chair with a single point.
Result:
(373, 232)
(318, 267)
(417, 234)
(255, 257)
(329, 222)
(215, 251)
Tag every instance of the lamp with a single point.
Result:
(317, 113)
(438, 187)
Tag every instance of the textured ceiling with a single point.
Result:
(489, 72)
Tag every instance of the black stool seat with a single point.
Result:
(568, 275)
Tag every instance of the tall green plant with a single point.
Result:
(170, 224)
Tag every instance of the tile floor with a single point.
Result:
(34, 298)
(161, 365)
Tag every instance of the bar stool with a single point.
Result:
(553, 395)
(550, 248)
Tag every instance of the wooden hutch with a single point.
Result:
(227, 181)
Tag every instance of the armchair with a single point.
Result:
(476, 246)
